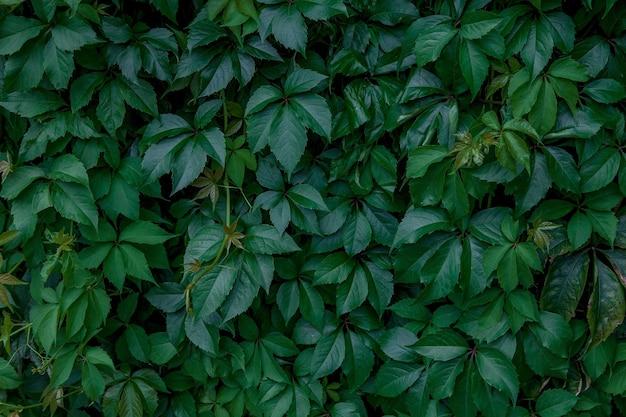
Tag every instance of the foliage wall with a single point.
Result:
(312, 208)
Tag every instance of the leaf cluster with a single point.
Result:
(267, 208)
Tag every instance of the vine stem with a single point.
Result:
(25, 407)
(217, 258)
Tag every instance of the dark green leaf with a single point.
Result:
(394, 378)
(555, 403)
(607, 306)
(498, 371)
(442, 346)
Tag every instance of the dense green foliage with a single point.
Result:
(312, 208)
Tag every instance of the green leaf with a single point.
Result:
(287, 299)
(599, 170)
(74, 202)
(357, 234)
(562, 168)
(130, 401)
(82, 89)
(71, 34)
(516, 148)
(419, 222)
(475, 25)
(111, 110)
(498, 371)
(423, 157)
(261, 97)
(605, 90)
(555, 403)
(58, 65)
(352, 292)
(537, 50)
(441, 271)
(603, 223)
(565, 283)
(161, 349)
(329, 354)
(18, 180)
(442, 377)
(8, 376)
(430, 43)
(301, 80)
(313, 110)
(544, 112)
(15, 31)
(334, 269)
(359, 360)
(212, 290)
(474, 65)
(288, 27)
(287, 138)
(321, 9)
(264, 239)
(144, 232)
(31, 103)
(536, 187)
(569, 69)
(442, 346)
(68, 168)
(394, 378)
(607, 305)
(306, 196)
(579, 230)
(138, 342)
(93, 381)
